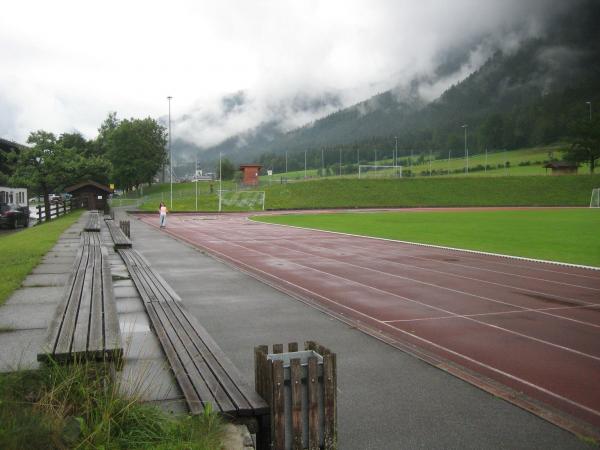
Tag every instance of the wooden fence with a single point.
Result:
(59, 209)
(303, 391)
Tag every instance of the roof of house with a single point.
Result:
(561, 165)
(90, 183)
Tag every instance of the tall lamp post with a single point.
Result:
(170, 153)
(396, 152)
(590, 105)
(466, 151)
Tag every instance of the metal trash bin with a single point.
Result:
(300, 388)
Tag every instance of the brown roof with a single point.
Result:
(88, 183)
(561, 165)
(243, 166)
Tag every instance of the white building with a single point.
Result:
(13, 196)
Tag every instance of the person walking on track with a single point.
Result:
(163, 214)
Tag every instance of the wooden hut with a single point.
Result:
(250, 174)
(90, 193)
(562, 167)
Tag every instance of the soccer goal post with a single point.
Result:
(595, 200)
(243, 200)
(366, 171)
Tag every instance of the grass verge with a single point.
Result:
(80, 406)
(20, 252)
(566, 235)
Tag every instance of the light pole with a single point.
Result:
(590, 105)
(322, 163)
(286, 164)
(220, 182)
(170, 153)
(340, 162)
(466, 151)
(396, 152)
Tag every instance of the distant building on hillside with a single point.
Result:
(250, 174)
(562, 167)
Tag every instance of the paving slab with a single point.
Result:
(388, 399)
(36, 295)
(59, 259)
(150, 379)
(129, 305)
(45, 280)
(125, 291)
(52, 268)
(19, 349)
(26, 316)
(141, 345)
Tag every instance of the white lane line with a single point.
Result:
(476, 252)
(506, 312)
(516, 333)
(252, 269)
(450, 274)
(489, 299)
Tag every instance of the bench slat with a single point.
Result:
(246, 399)
(82, 316)
(183, 380)
(110, 319)
(67, 329)
(186, 349)
(96, 324)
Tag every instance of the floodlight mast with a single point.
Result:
(220, 182)
(170, 153)
(466, 150)
(590, 105)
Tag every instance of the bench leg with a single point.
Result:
(263, 434)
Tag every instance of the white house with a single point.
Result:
(16, 196)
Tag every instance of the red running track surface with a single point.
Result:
(531, 326)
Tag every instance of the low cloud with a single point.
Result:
(234, 65)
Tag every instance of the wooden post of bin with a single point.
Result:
(270, 384)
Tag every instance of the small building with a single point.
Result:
(250, 174)
(562, 167)
(91, 193)
(13, 196)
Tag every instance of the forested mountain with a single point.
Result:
(524, 97)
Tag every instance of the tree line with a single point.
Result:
(126, 152)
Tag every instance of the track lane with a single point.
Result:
(546, 314)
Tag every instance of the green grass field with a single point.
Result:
(21, 251)
(495, 160)
(566, 235)
(567, 190)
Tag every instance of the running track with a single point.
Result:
(533, 327)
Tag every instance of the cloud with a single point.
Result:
(66, 64)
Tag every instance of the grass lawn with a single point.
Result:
(567, 235)
(21, 251)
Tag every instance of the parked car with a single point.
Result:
(54, 199)
(12, 216)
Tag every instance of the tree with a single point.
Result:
(585, 145)
(47, 166)
(136, 149)
(227, 168)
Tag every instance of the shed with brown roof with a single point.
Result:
(90, 193)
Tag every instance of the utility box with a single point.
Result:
(300, 388)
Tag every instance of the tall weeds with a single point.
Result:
(80, 406)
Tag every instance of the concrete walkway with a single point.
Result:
(387, 399)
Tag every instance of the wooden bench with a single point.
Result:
(93, 222)
(90, 238)
(85, 325)
(118, 237)
(203, 371)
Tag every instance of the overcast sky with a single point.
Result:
(66, 64)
